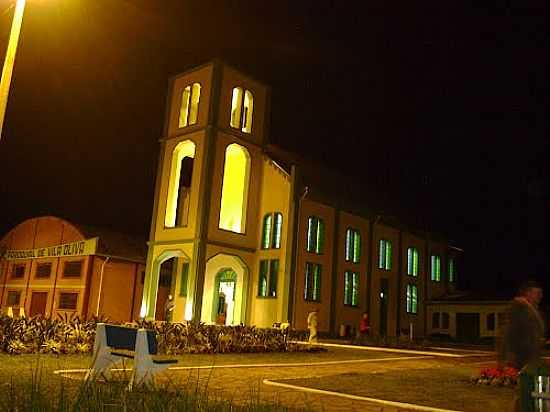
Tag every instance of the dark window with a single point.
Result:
(184, 278)
(43, 270)
(13, 298)
(72, 269)
(491, 321)
(435, 320)
(68, 300)
(444, 320)
(18, 271)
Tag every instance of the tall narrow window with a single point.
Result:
(242, 107)
(412, 261)
(272, 230)
(385, 254)
(315, 235)
(179, 185)
(436, 268)
(236, 176)
(184, 279)
(452, 270)
(353, 246)
(351, 288)
(267, 281)
(412, 298)
(312, 289)
(267, 231)
(189, 108)
(277, 232)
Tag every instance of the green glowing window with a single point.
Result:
(189, 108)
(315, 235)
(353, 246)
(412, 298)
(312, 289)
(452, 270)
(436, 268)
(267, 281)
(184, 278)
(242, 106)
(351, 288)
(412, 261)
(385, 254)
(271, 231)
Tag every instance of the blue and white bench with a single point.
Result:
(115, 343)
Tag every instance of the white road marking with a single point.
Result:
(392, 350)
(410, 406)
(260, 365)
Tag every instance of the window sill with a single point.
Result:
(347, 305)
(266, 297)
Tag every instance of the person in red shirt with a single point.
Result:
(364, 328)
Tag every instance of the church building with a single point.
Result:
(250, 235)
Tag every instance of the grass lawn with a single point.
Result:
(445, 387)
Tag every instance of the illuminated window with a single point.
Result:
(315, 235)
(267, 283)
(14, 298)
(72, 269)
(179, 185)
(184, 278)
(68, 301)
(452, 270)
(189, 108)
(271, 231)
(412, 261)
(353, 246)
(436, 268)
(312, 289)
(43, 270)
(18, 271)
(236, 176)
(385, 254)
(412, 298)
(242, 106)
(351, 288)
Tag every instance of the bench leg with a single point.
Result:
(144, 368)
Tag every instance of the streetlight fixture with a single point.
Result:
(7, 69)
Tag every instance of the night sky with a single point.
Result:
(437, 109)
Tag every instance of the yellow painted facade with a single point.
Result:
(250, 245)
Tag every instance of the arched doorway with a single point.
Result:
(224, 296)
(225, 290)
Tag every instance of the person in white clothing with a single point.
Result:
(312, 326)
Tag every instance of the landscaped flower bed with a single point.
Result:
(497, 376)
(72, 335)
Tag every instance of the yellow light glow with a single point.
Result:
(7, 70)
(235, 189)
(182, 150)
(188, 310)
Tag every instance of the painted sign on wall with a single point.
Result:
(80, 248)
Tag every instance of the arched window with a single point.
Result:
(242, 106)
(353, 246)
(271, 230)
(179, 185)
(189, 109)
(315, 235)
(236, 176)
(412, 261)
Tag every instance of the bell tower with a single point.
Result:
(207, 184)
